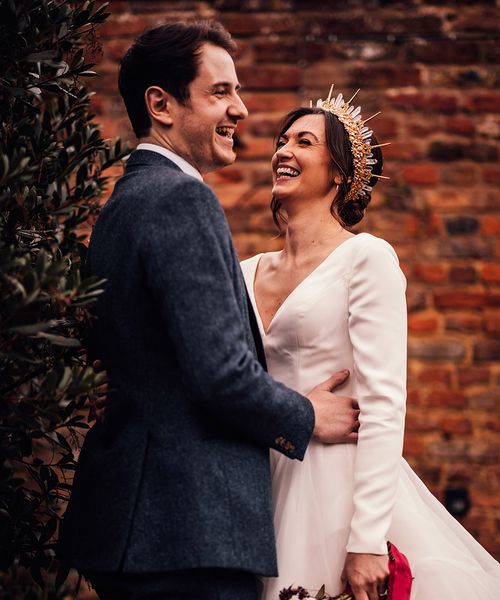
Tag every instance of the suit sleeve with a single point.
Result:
(186, 250)
(378, 332)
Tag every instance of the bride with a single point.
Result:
(332, 300)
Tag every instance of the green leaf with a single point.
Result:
(59, 340)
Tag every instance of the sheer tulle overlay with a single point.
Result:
(350, 313)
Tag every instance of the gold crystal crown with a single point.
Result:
(360, 139)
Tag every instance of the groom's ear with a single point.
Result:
(159, 104)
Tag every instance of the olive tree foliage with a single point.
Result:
(52, 159)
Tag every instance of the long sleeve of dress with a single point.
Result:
(378, 332)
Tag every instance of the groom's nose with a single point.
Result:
(237, 109)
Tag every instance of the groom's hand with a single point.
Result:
(336, 417)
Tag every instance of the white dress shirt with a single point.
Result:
(175, 158)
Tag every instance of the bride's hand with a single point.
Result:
(367, 575)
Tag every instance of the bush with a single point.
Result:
(52, 159)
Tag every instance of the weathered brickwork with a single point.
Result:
(432, 68)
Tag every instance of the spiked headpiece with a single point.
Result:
(360, 139)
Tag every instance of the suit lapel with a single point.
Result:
(256, 334)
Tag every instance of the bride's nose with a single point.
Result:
(283, 152)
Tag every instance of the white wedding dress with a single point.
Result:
(350, 312)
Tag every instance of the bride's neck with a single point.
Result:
(309, 231)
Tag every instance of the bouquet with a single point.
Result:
(398, 587)
(301, 593)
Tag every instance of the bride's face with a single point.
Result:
(301, 164)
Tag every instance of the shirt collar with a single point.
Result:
(175, 158)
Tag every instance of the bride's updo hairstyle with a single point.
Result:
(347, 212)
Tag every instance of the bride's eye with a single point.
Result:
(305, 142)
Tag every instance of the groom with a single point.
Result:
(172, 494)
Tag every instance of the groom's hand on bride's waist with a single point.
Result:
(336, 417)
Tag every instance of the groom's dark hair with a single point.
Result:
(167, 56)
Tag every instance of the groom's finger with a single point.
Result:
(352, 438)
(334, 381)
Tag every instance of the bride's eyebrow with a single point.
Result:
(302, 133)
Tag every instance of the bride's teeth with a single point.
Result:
(287, 171)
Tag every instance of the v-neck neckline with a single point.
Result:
(258, 257)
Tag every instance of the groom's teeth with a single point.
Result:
(226, 131)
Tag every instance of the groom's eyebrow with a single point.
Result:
(227, 85)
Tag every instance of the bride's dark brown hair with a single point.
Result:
(348, 213)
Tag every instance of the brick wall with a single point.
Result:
(432, 69)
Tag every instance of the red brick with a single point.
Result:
(463, 274)
(456, 425)
(413, 398)
(431, 103)
(421, 174)
(473, 376)
(483, 401)
(491, 51)
(487, 350)
(466, 247)
(446, 399)
(270, 77)
(116, 48)
(491, 174)
(450, 450)
(413, 444)
(463, 323)
(399, 150)
(353, 24)
(231, 174)
(460, 125)
(493, 299)
(385, 76)
(257, 148)
(366, 50)
(442, 350)
(435, 375)
(260, 24)
(482, 19)
(313, 51)
(456, 52)
(125, 25)
(491, 225)
(484, 103)
(485, 452)
(421, 422)
(386, 127)
(416, 299)
(276, 52)
(420, 324)
(414, 24)
(459, 174)
(430, 273)
(446, 151)
(264, 127)
(459, 299)
(492, 325)
(490, 273)
(279, 102)
(481, 152)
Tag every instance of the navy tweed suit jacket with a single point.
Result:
(177, 476)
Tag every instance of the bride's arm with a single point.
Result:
(378, 332)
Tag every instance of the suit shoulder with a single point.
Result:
(167, 181)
